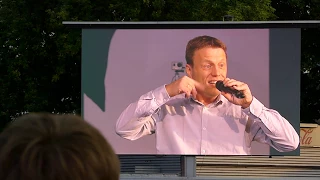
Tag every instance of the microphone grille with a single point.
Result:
(219, 85)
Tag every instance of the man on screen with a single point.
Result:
(191, 116)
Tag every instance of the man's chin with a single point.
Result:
(211, 92)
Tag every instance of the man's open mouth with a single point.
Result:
(212, 82)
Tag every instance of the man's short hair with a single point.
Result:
(55, 147)
(202, 42)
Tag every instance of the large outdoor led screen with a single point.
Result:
(124, 78)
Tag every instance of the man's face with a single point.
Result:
(209, 66)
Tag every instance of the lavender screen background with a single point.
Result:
(140, 60)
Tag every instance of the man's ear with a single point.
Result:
(189, 70)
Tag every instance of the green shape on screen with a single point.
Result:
(95, 51)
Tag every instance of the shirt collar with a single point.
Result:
(220, 99)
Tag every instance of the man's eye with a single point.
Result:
(208, 66)
(221, 65)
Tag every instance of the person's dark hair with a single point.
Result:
(202, 42)
(55, 147)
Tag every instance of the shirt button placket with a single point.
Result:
(204, 120)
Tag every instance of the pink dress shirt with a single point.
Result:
(187, 127)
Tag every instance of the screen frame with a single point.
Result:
(195, 25)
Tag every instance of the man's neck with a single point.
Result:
(207, 100)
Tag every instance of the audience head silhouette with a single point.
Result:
(42, 146)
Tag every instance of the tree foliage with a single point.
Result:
(40, 59)
(182, 10)
(310, 54)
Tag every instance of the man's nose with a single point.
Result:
(215, 71)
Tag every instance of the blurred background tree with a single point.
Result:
(310, 54)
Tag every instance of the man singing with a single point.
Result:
(191, 116)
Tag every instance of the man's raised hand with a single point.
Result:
(184, 85)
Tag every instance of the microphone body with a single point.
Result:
(236, 93)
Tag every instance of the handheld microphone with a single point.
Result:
(236, 93)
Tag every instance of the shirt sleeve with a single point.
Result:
(138, 119)
(269, 127)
